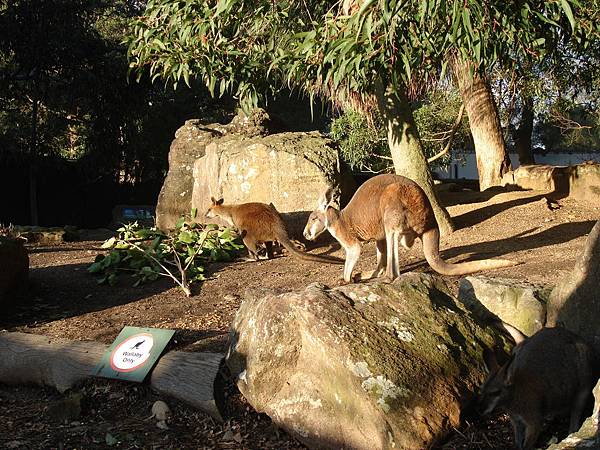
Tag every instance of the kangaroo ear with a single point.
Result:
(326, 199)
(331, 215)
(216, 202)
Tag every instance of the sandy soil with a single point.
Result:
(63, 300)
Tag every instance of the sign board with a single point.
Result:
(133, 353)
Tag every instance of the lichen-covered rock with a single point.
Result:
(588, 436)
(290, 170)
(519, 304)
(14, 266)
(575, 301)
(190, 142)
(379, 365)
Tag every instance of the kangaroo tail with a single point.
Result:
(290, 247)
(431, 249)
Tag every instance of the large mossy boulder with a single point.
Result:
(520, 304)
(14, 267)
(290, 170)
(379, 365)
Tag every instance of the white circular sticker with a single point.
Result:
(132, 353)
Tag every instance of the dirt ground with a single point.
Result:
(65, 301)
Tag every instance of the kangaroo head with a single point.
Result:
(497, 389)
(215, 207)
(322, 217)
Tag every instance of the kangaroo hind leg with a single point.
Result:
(250, 244)
(381, 262)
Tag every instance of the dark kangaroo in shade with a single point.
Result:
(549, 374)
(258, 223)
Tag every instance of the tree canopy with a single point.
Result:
(327, 47)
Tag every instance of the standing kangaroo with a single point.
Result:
(551, 373)
(259, 222)
(388, 209)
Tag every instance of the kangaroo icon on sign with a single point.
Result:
(132, 353)
(136, 346)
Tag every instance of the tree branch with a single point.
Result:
(451, 136)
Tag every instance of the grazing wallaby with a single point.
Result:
(259, 222)
(388, 209)
(549, 374)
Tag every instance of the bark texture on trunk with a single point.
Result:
(524, 132)
(407, 151)
(490, 149)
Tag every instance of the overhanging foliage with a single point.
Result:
(338, 49)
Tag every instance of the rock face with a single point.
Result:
(14, 262)
(290, 170)
(574, 303)
(588, 436)
(244, 162)
(581, 182)
(360, 366)
(190, 142)
(519, 304)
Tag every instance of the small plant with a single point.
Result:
(148, 253)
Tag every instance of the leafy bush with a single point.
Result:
(148, 253)
(362, 145)
(434, 117)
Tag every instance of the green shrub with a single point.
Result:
(148, 253)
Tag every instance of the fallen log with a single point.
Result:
(61, 363)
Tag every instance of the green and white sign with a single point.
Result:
(133, 353)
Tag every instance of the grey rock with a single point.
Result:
(290, 170)
(581, 181)
(519, 304)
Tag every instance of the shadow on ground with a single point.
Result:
(58, 292)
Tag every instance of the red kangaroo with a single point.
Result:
(388, 209)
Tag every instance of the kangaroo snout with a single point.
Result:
(307, 234)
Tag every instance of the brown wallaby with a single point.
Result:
(388, 209)
(549, 374)
(259, 222)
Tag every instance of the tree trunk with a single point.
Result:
(407, 153)
(524, 132)
(60, 363)
(490, 149)
(573, 302)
